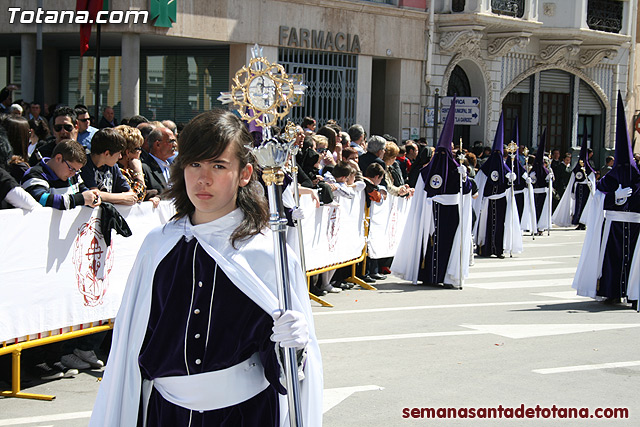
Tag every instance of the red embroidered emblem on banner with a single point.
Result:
(93, 261)
(333, 228)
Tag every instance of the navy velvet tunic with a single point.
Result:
(216, 328)
(623, 237)
(497, 208)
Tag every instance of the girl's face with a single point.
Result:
(212, 185)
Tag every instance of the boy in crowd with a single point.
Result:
(372, 178)
(102, 172)
(55, 182)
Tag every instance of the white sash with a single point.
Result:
(210, 390)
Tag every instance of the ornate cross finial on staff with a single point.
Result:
(512, 148)
(262, 92)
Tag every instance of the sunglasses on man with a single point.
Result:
(66, 127)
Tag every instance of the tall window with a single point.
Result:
(457, 5)
(605, 15)
(554, 115)
(508, 7)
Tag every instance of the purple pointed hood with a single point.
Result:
(440, 175)
(495, 162)
(625, 171)
(624, 154)
(446, 137)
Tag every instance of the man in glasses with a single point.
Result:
(55, 182)
(85, 130)
(65, 126)
(162, 146)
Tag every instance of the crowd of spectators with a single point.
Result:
(64, 158)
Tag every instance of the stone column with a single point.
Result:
(130, 95)
(363, 92)
(28, 66)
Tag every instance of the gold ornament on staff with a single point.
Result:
(262, 92)
(263, 87)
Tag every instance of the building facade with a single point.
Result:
(386, 64)
(362, 60)
(553, 64)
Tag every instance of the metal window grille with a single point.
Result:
(331, 84)
(605, 15)
(508, 7)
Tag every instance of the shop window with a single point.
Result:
(331, 84)
(79, 82)
(513, 8)
(180, 86)
(605, 15)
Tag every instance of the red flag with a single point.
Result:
(93, 7)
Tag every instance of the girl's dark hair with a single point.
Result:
(18, 133)
(206, 137)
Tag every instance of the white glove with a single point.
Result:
(528, 179)
(462, 170)
(549, 176)
(297, 214)
(511, 176)
(622, 194)
(290, 329)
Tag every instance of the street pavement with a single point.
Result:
(515, 335)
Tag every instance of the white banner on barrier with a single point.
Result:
(387, 222)
(332, 234)
(56, 270)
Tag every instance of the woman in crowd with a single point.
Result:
(131, 166)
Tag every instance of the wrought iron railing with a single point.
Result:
(513, 8)
(605, 15)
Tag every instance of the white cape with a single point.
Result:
(566, 207)
(251, 268)
(420, 227)
(528, 222)
(512, 240)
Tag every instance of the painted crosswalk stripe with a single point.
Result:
(520, 272)
(578, 368)
(507, 331)
(512, 264)
(398, 337)
(521, 284)
(45, 418)
(443, 306)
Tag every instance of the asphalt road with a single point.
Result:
(515, 335)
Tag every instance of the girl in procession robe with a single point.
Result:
(196, 338)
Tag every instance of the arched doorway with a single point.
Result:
(459, 85)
